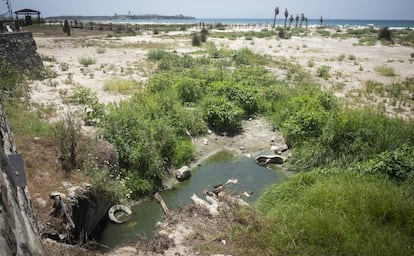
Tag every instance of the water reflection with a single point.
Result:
(217, 169)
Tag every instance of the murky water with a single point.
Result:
(219, 168)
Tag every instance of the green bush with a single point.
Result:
(394, 164)
(303, 118)
(222, 115)
(137, 186)
(242, 96)
(253, 76)
(160, 82)
(149, 129)
(189, 89)
(183, 153)
(83, 95)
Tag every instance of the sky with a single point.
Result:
(313, 9)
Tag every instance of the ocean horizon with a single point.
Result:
(378, 23)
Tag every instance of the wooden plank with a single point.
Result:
(159, 199)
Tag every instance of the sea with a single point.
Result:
(395, 24)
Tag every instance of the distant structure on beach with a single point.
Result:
(124, 17)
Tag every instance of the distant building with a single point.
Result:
(27, 13)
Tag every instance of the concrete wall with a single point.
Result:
(19, 48)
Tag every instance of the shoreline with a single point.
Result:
(229, 22)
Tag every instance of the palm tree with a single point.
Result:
(290, 20)
(302, 18)
(286, 16)
(276, 13)
(297, 20)
(321, 20)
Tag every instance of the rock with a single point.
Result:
(66, 184)
(40, 202)
(205, 141)
(183, 173)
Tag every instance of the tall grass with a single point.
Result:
(120, 85)
(337, 214)
(385, 70)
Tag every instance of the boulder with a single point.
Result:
(183, 173)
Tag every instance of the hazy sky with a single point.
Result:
(341, 9)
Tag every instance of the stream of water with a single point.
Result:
(219, 168)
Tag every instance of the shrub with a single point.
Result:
(384, 34)
(137, 186)
(83, 95)
(305, 119)
(351, 57)
(283, 34)
(220, 26)
(385, 70)
(222, 115)
(149, 128)
(189, 89)
(196, 39)
(203, 37)
(323, 71)
(183, 153)
(86, 60)
(242, 96)
(100, 50)
(160, 82)
(66, 135)
(394, 164)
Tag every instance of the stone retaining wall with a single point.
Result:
(19, 49)
(19, 234)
